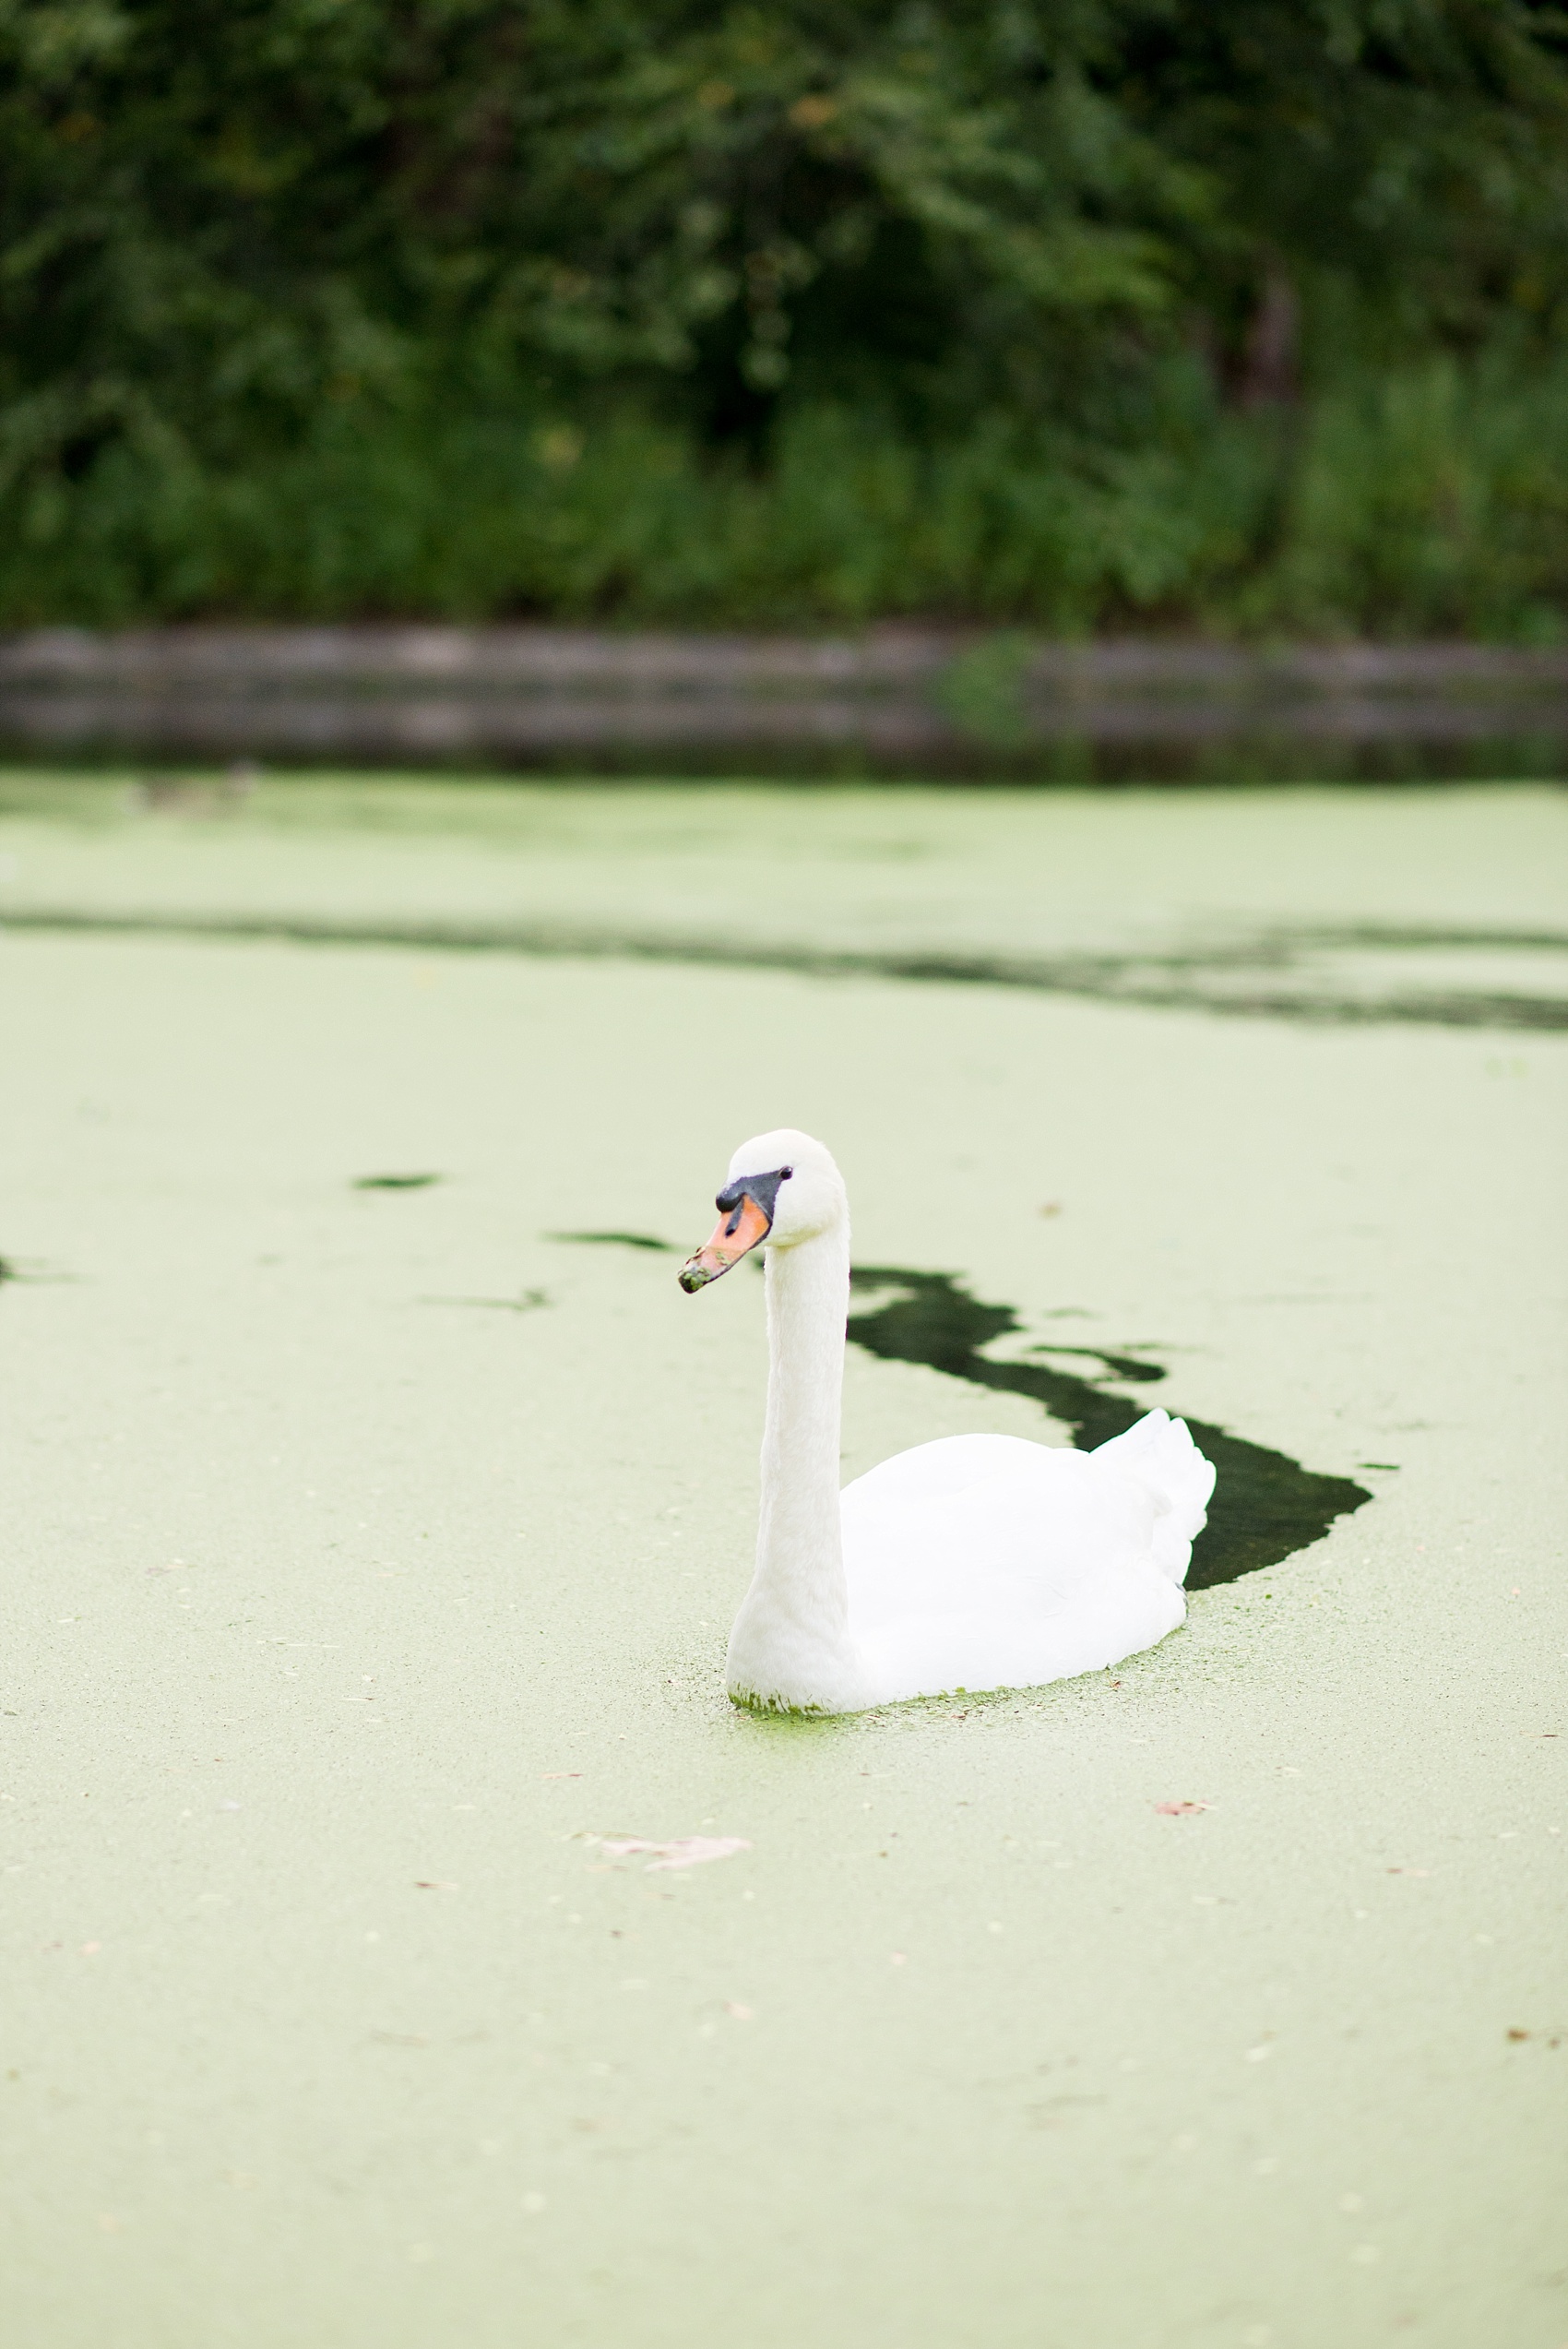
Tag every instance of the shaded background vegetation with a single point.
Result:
(1241, 312)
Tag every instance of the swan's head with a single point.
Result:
(783, 1188)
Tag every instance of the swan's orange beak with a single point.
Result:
(734, 1233)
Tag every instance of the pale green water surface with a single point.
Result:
(369, 1552)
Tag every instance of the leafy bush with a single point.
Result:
(1067, 310)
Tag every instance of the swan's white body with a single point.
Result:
(976, 1562)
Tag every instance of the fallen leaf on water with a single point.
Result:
(1518, 2034)
(1180, 1810)
(686, 1851)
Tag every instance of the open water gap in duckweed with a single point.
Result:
(616, 1240)
(1265, 1505)
(1207, 978)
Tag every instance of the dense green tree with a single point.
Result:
(1048, 241)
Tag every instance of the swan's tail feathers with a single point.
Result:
(1159, 1451)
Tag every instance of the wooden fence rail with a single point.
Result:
(894, 698)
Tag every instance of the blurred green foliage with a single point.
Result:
(1244, 311)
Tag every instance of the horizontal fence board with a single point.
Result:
(894, 697)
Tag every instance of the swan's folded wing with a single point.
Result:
(1039, 1568)
(1022, 1546)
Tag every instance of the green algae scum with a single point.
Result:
(405, 1940)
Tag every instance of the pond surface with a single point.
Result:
(362, 1649)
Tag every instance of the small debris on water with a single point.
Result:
(194, 794)
(685, 1850)
(1180, 1810)
(395, 1182)
(433, 1884)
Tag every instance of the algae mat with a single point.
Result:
(371, 1548)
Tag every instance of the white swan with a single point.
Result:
(975, 1562)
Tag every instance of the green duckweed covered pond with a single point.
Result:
(371, 1545)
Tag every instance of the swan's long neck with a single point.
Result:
(800, 1549)
(791, 1643)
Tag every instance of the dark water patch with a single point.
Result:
(14, 1274)
(530, 1301)
(1267, 977)
(614, 1240)
(1116, 1365)
(1265, 1505)
(395, 1182)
